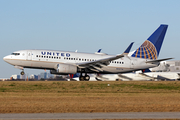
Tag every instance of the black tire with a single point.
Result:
(22, 72)
(81, 78)
(86, 78)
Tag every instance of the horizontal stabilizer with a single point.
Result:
(157, 61)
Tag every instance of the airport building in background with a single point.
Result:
(34, 77)
(15, 77)
(45, 75)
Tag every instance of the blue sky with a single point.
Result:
(85, 25)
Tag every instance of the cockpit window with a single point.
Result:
(15, 54)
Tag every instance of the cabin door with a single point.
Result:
(29, 55)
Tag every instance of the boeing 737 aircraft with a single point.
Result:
(63, 62)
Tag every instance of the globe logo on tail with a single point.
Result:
(147, 50)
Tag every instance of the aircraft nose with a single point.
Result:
(6, 58)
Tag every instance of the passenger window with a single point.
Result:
(59, 57)
(36, 55)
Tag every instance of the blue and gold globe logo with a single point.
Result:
(147, 50)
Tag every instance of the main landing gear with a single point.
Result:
(84, 78)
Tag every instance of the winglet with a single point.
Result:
(99, 51)
(128, 49)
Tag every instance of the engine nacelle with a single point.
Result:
(66, 69)
(56, 73)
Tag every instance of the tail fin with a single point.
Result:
(151, 47)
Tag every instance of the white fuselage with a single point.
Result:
(48, 59)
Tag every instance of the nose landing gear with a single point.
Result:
(22, 72)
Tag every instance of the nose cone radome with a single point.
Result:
(4, 58)
(7, 58)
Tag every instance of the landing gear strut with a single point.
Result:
(84, 78)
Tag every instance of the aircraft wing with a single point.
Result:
(101, 62)
(98, 64)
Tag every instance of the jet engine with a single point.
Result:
(65, 69)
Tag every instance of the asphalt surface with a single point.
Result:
(121, 115)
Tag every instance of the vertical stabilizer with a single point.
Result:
(151, 47)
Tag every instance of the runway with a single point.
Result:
(121, 115)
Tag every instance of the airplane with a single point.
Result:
(144, 75)
(149, 76)
(64, 62)
(115, 77)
